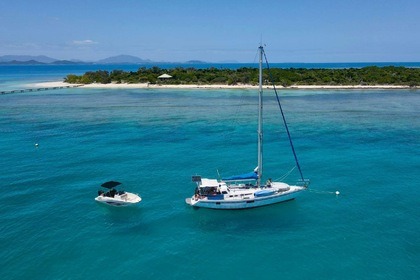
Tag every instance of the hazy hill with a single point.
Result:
(42, 59)
(27, 58)
(122, 59)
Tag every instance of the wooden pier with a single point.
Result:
(37, 89)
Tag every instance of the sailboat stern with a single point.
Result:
(189, 201)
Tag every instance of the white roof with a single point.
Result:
(209, 182)
(164, 76)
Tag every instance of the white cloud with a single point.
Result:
(84, 42)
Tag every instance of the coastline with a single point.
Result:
(163, 86)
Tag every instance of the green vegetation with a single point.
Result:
(371, 75)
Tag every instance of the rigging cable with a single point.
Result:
(282, 178)
(284, 119)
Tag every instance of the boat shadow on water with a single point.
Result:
(281, 216)
(122, 220)
(119, 214)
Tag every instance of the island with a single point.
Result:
(371, 76)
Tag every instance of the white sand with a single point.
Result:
(154, 86)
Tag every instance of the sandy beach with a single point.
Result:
(163, 86)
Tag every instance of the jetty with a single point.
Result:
(37, 89)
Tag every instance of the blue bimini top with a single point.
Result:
(246, 176)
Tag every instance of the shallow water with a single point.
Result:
(364, 144)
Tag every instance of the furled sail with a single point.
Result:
(246, 176)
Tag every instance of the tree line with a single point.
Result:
(371, 75)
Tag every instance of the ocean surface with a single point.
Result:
(363, 143)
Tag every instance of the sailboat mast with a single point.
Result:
(260, 113)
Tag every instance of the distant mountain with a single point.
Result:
(29, 62)
(62, 62)
(123, 59)
(42, 59)
(195, 62)
(27, 58)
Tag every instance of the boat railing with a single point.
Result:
(237, 185)
(304, 183)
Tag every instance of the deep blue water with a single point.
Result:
(364, 144)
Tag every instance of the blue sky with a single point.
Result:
(214, 31)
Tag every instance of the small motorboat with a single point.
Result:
(116, 197)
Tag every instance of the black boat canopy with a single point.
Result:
(110, 184)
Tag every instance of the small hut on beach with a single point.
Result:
(164, 76)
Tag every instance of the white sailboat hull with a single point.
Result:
(245, 202)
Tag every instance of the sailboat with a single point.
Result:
(248, 190)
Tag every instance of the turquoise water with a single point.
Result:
(364, 144)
